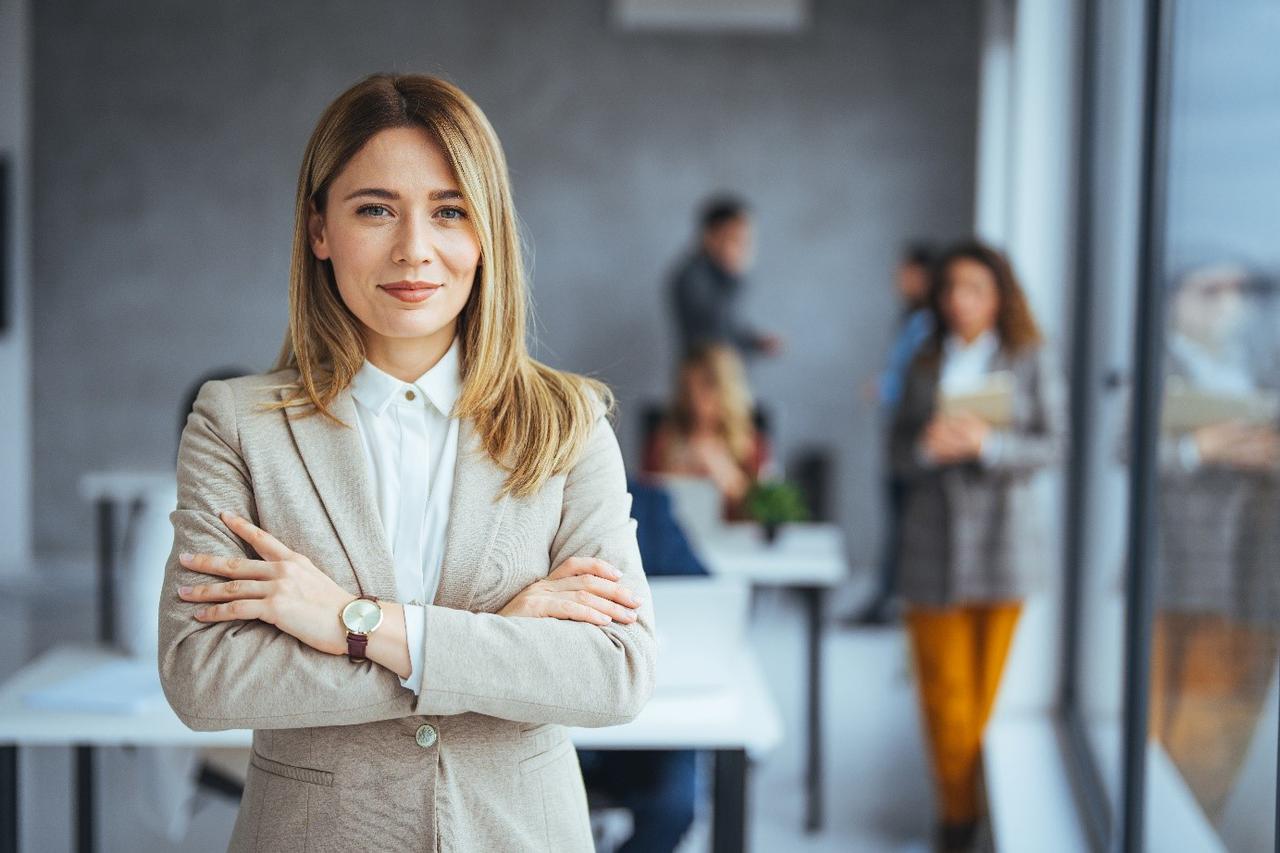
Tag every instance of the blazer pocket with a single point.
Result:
(542, 759)
(291, 771)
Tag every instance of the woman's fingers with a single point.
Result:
(599, 586)
(263, 542)
(241, 608)
(575, 566)
(230, 567)
(226, 591)
(605, 606)
(563, 608)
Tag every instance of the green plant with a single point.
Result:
(774, 502)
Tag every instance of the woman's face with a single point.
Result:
(700, 390)
(402, 244)
(971, 300)
(1209, 306)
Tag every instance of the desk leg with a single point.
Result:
(729, 801)
(84, 799)
(106, 570)
(9, 798)
(813, 597)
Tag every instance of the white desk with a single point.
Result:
(807, 557)
(734, 722)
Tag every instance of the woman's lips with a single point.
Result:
(407, 293)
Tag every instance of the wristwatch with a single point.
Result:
(360, 617)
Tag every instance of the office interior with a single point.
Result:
(1121, 155)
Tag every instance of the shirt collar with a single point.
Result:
(375, 389)
(985, 344)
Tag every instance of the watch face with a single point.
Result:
(361, 616)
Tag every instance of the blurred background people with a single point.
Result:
(1218, 593)
(710, 428)
(912, 281)
(970, 544)
(706, 286)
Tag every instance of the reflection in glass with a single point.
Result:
(1218, 590)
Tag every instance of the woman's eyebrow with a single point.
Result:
(377, 192)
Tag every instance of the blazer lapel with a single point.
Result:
(475, 514)
(335, 460)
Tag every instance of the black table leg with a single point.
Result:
(106, 570)
(729, 801)
(9, 798)
(813, 597)
(84, 799)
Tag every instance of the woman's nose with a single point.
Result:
(414, 245)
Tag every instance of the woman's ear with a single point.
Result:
(315, 232)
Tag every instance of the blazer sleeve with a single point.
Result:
(245, 674)
(913, 411)
(1043, 441)
(543, 670)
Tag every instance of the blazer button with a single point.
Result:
(426, 736)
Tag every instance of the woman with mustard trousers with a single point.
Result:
(971, 547)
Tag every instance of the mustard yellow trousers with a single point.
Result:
(959, 655)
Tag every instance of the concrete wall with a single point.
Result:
(168, 143)
(15, 342)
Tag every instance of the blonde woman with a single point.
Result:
(710, 430)
(404, 557)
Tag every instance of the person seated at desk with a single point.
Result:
(709, 430)
(658, 787)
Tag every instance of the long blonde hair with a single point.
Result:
(725, 369)
(531, 419)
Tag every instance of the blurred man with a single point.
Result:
(706, 286)
(913, 283)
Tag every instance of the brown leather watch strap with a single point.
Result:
(358, 643)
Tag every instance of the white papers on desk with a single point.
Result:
(992, 400)
(124, 686)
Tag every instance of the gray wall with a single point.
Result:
(168, 141)
(15, 342)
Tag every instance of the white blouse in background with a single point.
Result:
(411, 449)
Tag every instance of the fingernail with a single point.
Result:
(184, 590)
(184, 556)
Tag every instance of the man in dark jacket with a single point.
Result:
(706, 286)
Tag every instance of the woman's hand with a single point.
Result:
(955, 437)
(581, 589)
(1239, 445)
(285, 589)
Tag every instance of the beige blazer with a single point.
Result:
(345, 757)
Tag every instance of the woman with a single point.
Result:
(1214, 640)
(970, 549)
(472, 498)
(709, 431)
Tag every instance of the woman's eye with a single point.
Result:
(453, 213)
(376, 211)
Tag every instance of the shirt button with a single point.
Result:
(409, 395)
(425, 736)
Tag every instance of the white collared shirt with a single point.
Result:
(965, 366)
(411, 449)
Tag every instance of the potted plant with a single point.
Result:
(773, 503)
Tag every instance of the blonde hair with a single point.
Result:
(725, 369)
(531, 419)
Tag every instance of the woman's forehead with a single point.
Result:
(405, 160)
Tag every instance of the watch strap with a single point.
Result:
(358, 643)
